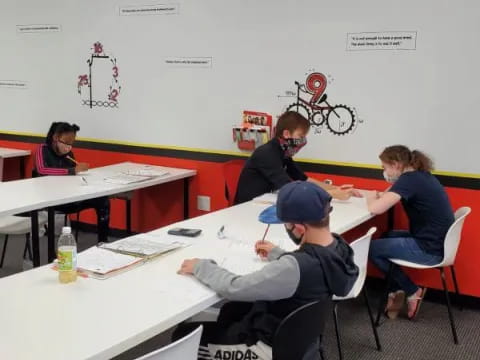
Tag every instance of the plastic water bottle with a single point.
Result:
(67, 256)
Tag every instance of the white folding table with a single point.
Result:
(31, 195)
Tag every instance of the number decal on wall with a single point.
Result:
(316, 84)
(86, 84)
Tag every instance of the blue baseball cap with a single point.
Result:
(298, 202)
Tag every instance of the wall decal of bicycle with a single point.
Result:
(339, 119)
(107, 88)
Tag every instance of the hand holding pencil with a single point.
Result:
(263, 247)
(80, 166)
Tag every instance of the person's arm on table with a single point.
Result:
(277, 280)
(378, 203)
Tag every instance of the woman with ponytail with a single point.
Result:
(429, 213)
(55, 157)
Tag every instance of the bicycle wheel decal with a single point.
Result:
(340, 119)
(318, 118)
(301, 109)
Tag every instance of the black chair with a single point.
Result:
(300, 330)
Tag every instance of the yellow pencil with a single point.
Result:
(72, 159)
(265, 234)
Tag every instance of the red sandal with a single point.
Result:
(414, 302)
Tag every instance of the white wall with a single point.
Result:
(426, 98)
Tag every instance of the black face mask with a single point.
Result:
(293, 237)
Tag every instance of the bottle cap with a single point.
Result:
(66, 230)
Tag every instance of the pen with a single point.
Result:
(84, 180)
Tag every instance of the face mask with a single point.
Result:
(62, 148)
(390, 179)
(293, 237)
(293, 146)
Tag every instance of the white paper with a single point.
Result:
(125, 179)
(338, 201)
(182, 288)
(241, 259)
(103, 261)
(146, 172)
(268, 198)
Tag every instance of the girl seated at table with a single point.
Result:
(55, 157)
(429, 213)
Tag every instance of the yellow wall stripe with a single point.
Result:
(236, 153)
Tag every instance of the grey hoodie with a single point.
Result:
(289, 280)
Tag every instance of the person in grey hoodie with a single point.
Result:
(322, 266)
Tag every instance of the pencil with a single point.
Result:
(265, 234)
(72, 159)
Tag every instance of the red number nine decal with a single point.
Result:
(316, 84)
(113, 95)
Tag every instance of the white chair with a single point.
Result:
(452, 241)
(360, 257)
(185, 348)
(18, 225)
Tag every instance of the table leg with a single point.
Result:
(22, 167)
(390, 219)
(186, 193)
(51, 234)
(35, 238)
(1, 169)
(128, 209)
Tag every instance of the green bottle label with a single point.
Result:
(65, 260)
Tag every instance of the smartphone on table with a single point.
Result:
(184, 232)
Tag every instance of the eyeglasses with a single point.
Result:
(64, 143)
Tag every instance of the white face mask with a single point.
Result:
(390, 179)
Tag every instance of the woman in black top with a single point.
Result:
(430, 216)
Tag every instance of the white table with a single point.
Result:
(98, 319)
(49, 191)
(6, 153)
